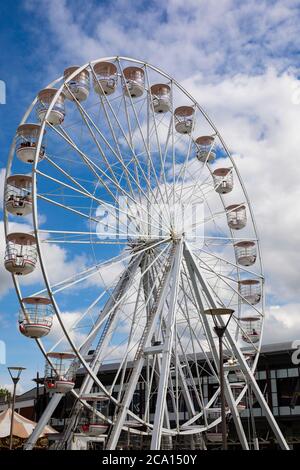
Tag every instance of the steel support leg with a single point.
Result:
(167, 351)
(43, 421)
(228, 392)
(138, 366)
(239, 355)
(88, 381)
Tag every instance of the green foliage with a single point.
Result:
(4, 393)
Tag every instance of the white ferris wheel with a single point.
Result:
(116, 166)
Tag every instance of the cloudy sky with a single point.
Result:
(240, 60)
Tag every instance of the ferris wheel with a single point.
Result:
(117, 169)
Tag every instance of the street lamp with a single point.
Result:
(15, 373)
(220, 330)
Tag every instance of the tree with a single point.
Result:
(5, 394)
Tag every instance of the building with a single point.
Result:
(277, 376)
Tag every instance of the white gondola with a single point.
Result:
(57, 113)
(249, 356)
(245, 253)
(184, 119)
(93, 428)
(214, 437)
(61, 377)
(106, 78)
(96, 429)
(26, 142)
(240, 407)
(35, 319)
(236, 216)
(250, 290)
(161, 98)
(78, 86)
(204, 149)
(20, 254)
(236, 388)
(232, 365)
(94, 424)
(251, 328)
(223, 180)
(18, 194)
(134, 81)
(132, 423)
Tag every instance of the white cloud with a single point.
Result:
(2, 180)
(257, 118)
(282, 323)
(56, 334)
(232, 58)
(216, 37)
(107, 275)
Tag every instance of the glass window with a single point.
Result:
(212, 380)
(284, 410)
(281, 373)
(293, 372)
(273, 385)
(274, 399)
(296, 410)
(262, 375)
(288, 391)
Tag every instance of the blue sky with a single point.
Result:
(239, 59)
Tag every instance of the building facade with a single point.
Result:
(277, 375)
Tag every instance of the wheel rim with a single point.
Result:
(153, 185)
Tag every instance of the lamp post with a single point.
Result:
(15, 373)
(220, 330)
(39, 381)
